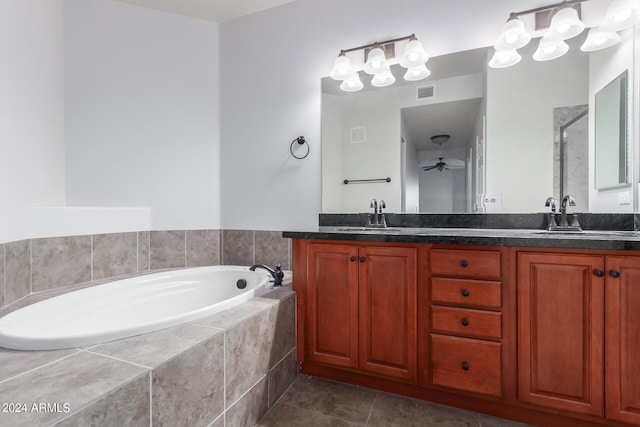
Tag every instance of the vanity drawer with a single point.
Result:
(466, 364)
(466, 263)
(466, 292)
(459, 321)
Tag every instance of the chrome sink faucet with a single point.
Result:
(564, 221)
(377, 219)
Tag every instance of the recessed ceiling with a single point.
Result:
(209, 10)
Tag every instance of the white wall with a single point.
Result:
(31, 111)
(271, 65)
(142, 112)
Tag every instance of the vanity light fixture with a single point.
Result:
(378, 58)
(550, 48)
(599, 39)
(621, 14)
(565, 24)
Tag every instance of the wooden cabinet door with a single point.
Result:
(560, 331)
(388, 311)
(622, 338)
(332, 304)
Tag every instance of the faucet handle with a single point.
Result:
(381, 205)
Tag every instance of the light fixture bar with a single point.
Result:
(370, 45)
(551, 6)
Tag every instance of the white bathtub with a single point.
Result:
(128, 307)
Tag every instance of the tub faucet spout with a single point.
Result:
(277, 273)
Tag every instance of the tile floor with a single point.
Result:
(315, 402)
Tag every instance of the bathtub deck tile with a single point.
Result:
(128, 405)
(13, 362)
(60, 261)
(75, 381)
(17, 270)
(248, 410)
(2, 287)
(155, 348)
(233, 315)
(247, 354)
(189, 389)
(282, 318)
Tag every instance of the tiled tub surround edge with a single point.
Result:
(44, 265)
(199, 373)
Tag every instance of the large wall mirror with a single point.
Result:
(505, 139)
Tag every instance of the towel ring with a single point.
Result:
(301, 141)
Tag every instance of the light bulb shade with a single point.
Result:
(414, 55)
(376, 61)
(382, 79)
(598, 39)
(352, 84)
(341, 68)
(564, 24)
(621, 14)
(549, 49)
(504, 58)
(417, 73)
(512, 36)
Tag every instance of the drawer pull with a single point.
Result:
(614, 274)
(352, 259)
(465, 293)
(362, 259)
(465, 366)
(464, 263)
(465, 322)
(598, 273)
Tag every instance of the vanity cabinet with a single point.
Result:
(579, 333)
(622, 338)
(560, 331)
(544, 336)
(466, 320)
(361, 308)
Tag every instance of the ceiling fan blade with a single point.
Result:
(428, 168)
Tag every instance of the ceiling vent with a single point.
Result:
(424, 92)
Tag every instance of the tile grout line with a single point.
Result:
(151, 398)
(118, 359)
(30, 267)
(28, 371)
(224, 375)
(375, 399)
(137, 252)
(91, 258)
(4, 275)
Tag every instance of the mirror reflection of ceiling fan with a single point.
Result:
(442, 164)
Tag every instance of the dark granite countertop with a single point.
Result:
(590, 239)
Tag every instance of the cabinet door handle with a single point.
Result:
(362, 259)
(352, 259)
(464, 263)
(615, 274)
(598, 273)
(465, 366)
(465, 293)
(465, 322)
